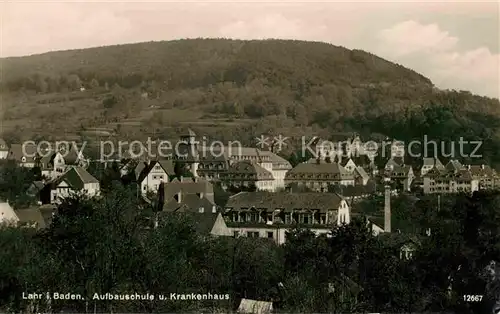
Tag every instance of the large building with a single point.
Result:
(271, 215)
(449, 180)
(213, 162)
(319, 176)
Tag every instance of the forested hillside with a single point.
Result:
(232, 89)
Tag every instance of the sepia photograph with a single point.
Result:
(251, 157)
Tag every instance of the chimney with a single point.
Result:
(387, 208)
(482, 166)
(179, 197)
(468, 167)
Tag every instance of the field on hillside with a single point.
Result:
(232, 89)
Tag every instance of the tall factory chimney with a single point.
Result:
(387, 208)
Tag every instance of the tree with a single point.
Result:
(14, 183)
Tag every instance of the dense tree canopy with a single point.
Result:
(107, 245)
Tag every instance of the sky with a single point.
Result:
(455, 44)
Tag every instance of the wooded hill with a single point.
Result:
(233, 89)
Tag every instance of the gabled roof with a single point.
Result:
(17, 153)
(279, 163)
(204, 187)
(284, 200)
(361, 172)
(454, 165)
(321, 168)
(76, 177)
(482, 171)
(432, 161)
(203, 222)
(166, 165)
(248, 168)
(31, 215)
(190, 203)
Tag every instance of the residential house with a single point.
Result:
(271, 215)
(189, 195)
(74, 180)
(319, 176)
(4, 149)
(26, 155)
(206, 223)
(429, 163)
(54, 163)
(449, 181)
(7, 214)
(246, 174)
(485, 175)
(153, 174)
(402, 175)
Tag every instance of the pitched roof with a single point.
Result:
(249, 170)
(190, 203)
(454, 165)
(279, 163)
(361, 172)
(482, 171)
(166, 165)
(76, 177)
(187, 187)
(284, 200)
(319, 168)
(31, 215)
(17, 152)
(203, 222)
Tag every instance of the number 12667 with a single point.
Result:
(473, 297)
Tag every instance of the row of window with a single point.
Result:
(253, 234)
(288, 218)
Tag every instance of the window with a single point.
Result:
(253, 234)
(236, 234)
(144, 188)
(201, 210)
(270, 235)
